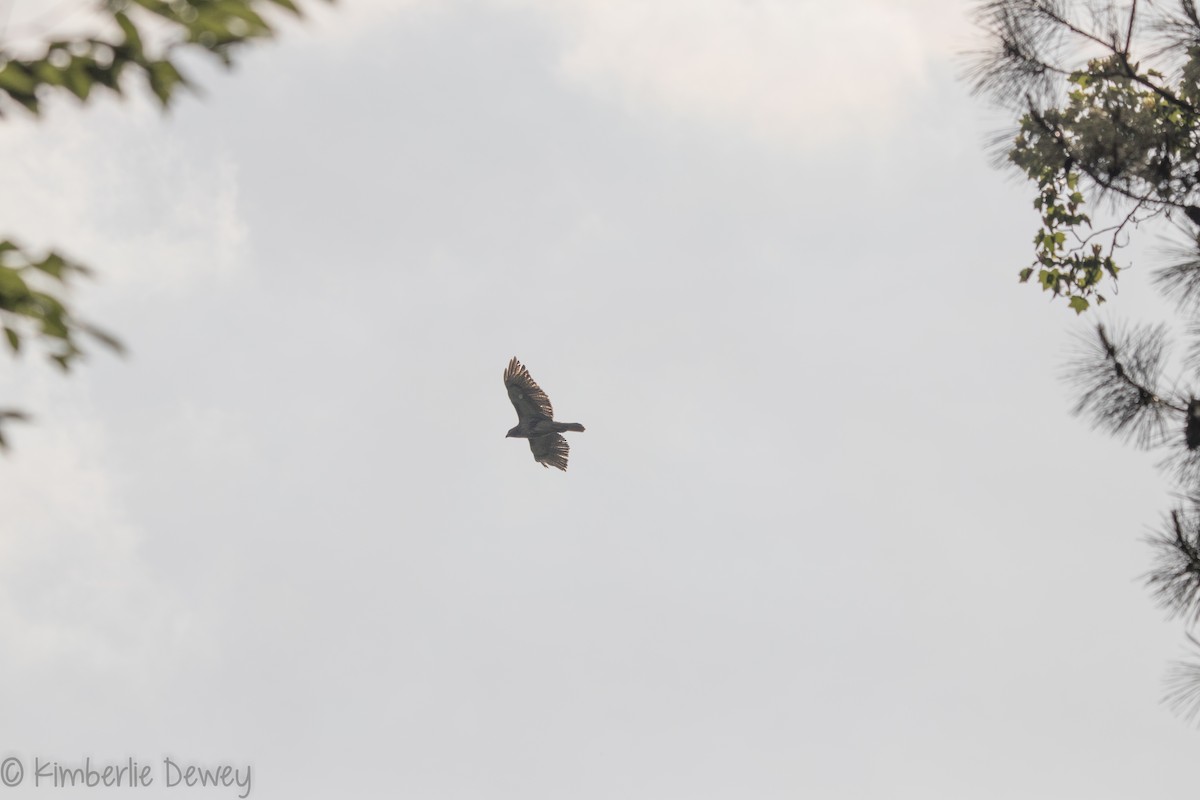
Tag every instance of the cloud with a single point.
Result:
(791, 72)
(157, 219)
(80, 185)
(347, 21)
(76, 588)
(802, 74)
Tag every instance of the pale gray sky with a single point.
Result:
(830, 533)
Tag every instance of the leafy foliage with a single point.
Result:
(1110, 128)
(146, 38)
(1099, 125)
(27, 310)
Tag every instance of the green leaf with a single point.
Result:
(133, 40)
(53, 265)
(252, 24)
(45, 72)
(10, 414)
(110, 76)
(104, 337)
(164, 79)
(14, 339)
(12, 285)
(1025, 273)
(79, 80)
(1080, 304)
(289, 5)
(14, 78)
(29, 101)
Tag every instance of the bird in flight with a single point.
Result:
(535, 418)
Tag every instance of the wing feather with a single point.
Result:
(550, 450)
(527, 397)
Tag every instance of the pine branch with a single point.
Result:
(1165, 94)
(1183, 686)
(1181, 280)
(1175, 578)
(1055, 13)
(1023, 63)
(1178, 30)
(1129, 30)
(1117, 380)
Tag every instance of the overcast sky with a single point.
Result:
(831, 531)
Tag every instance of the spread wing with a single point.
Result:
(550, 450)
(527, 397)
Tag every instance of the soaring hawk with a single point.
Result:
(535, 418)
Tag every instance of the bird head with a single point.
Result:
(511, 433)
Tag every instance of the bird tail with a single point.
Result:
(572, 426)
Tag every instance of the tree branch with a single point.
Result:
(1118, 385)
(1129, 31)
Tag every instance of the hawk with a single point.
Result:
(535, 418)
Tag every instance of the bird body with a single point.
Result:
(541, 427)
(535, 418)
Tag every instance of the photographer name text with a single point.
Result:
(130, 773)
